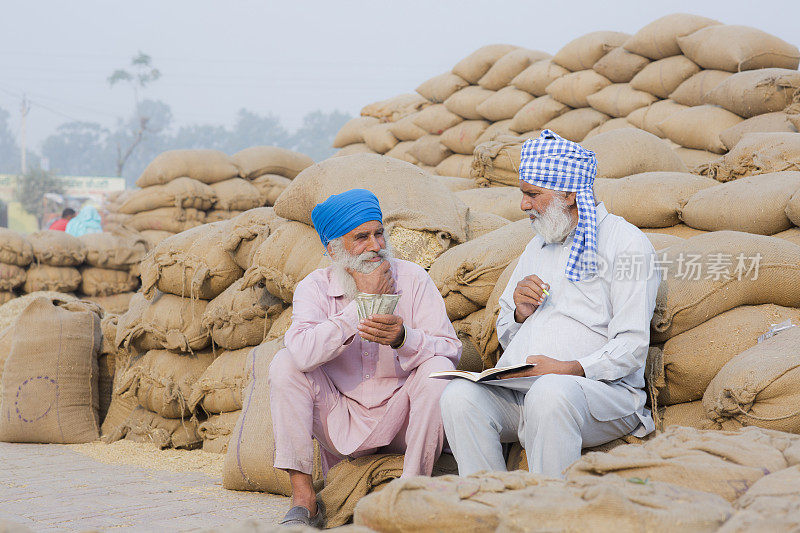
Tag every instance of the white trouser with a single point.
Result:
(552, 421)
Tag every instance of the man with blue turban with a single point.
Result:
(578, 306)
(358, 386)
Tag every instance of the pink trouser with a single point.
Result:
(308, 405)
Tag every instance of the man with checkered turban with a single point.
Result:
(578, 307)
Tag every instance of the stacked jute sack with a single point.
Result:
(689, 79)
(182, 189)
(100, 267)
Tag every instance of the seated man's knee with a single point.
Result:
(437, 363)
(553, 393)
(282, 369)
(459, 394)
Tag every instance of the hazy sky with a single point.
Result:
(290, 58)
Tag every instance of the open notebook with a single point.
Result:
(480, 377)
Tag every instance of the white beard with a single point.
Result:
(555, 223)
(344, 260)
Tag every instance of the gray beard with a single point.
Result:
(555, 223)
(342, 260)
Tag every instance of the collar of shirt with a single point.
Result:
(601, 214)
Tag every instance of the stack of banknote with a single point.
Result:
(376, 304)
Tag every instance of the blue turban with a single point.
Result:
(552, 162)
(342, 213)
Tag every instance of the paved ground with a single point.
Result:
(52, 488)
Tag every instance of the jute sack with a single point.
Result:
(766, 123)
(148, 427)
(619, 65)
(217, 430)
(757, 153)
(269, 186)
(659, 39)
(624, 152)
(51, 278)
(435, 120)
(694, 159)
(259, 160)
(208, 166)
(488, 344)
(404, 129)
(502, 201)
(619, 100)
(610, 125)
(455, 183)
(180, 192)
(105, 282)
(11, 277)
(648, 118)
(576, 124)
(503, 104)
(725, 463)
(217, 215)
(760, 386)
(288, 255)
(251, 451)
(235, 194)
(536, 113)
(661, 241)
(468, 329)
(7, 296)
(792, 234)
(112, 250)
(50, 377)
(692, 358)
(429, 151)
(465, 102)
(474, 66)
(793, 208)
(281, 325)
(497, 131)
(755, 204)
(394, 108)
(239, 318)
(660, 78)
(480, 223)
(357, 148)
(692, 92)
(582, 53)
(507, 67)
(57, 248)
(632, 197)
(497, 163)
(467, 274)
(684, 302)
(690, 415)
(379, 137)
(771, 504)
(166, 322)
(538, 76)
(194, 264)
(353, 131)
(219, 388)
(514, 501)
(736, 48)
(407, 196)
(441, 87)
(114, 303)
(679, 230)
(461, 138)
(6, 340)
(14, 248)
(401, 151)
(162, 381)
(248, 231)
(171, 219)
(699, 127)
(574, 88)
(153, 237)
(456, 166)
(756, 92)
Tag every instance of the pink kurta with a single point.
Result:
(355, 396)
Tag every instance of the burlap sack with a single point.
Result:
(692, 92)
(699, 127)
(429, 151)
(379, 137)
(771, 504)
(467, 274)
(690, 415)
(662, 77)
(624, 152)
(11, 277)
(661, 241)
(114, 303)
(462, 137)
(357, 148)
(401, 151)
(648, 118)
(792, 234)
(217, 215)
(105, 282)
(659, 39)
(474, 66)
(119, 411)
(148, 427)
(793, 208)
(756, 92)
(536, 113)
(407, 196)
(166, 322)
(538, 76)
(219, 388)
(619, 100)
(480, 223)
(576, 124)
(208, 166)
(281, 325)
(509, 66)
(105, 383)
(353, 131)
(515, 501)
(217, 430)
(180, 192)
(394, 108)
(441, 87)
(767, 123)
(574, 88)
(582, 53)
(14, 249)
(468, 330)
(686, 299)
(465, 102)
(235, 195)
(404, 129)
(115, 251)
(502, 201)
(57, 248)
(259, 160)
(456, 166)
(162, 381)
(497, 131)
(610, 125)
(760, 386)
(193, 264)
(679, 230)
(755, 204)
(241, 317)
(757, 153)
(51, 278)
(497, 163)
(694, 159)
(171, 219)
(736, 48)
(620, 65)
(725, 463)
(49, 392)
(269, 186)
(153, 237)
(436, 119)
(503, 104)
(251, 451)
(488, 345)
(7, 296)
(247, 231)
(455, 183)
(632, 197)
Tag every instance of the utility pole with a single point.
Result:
(24, 108)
